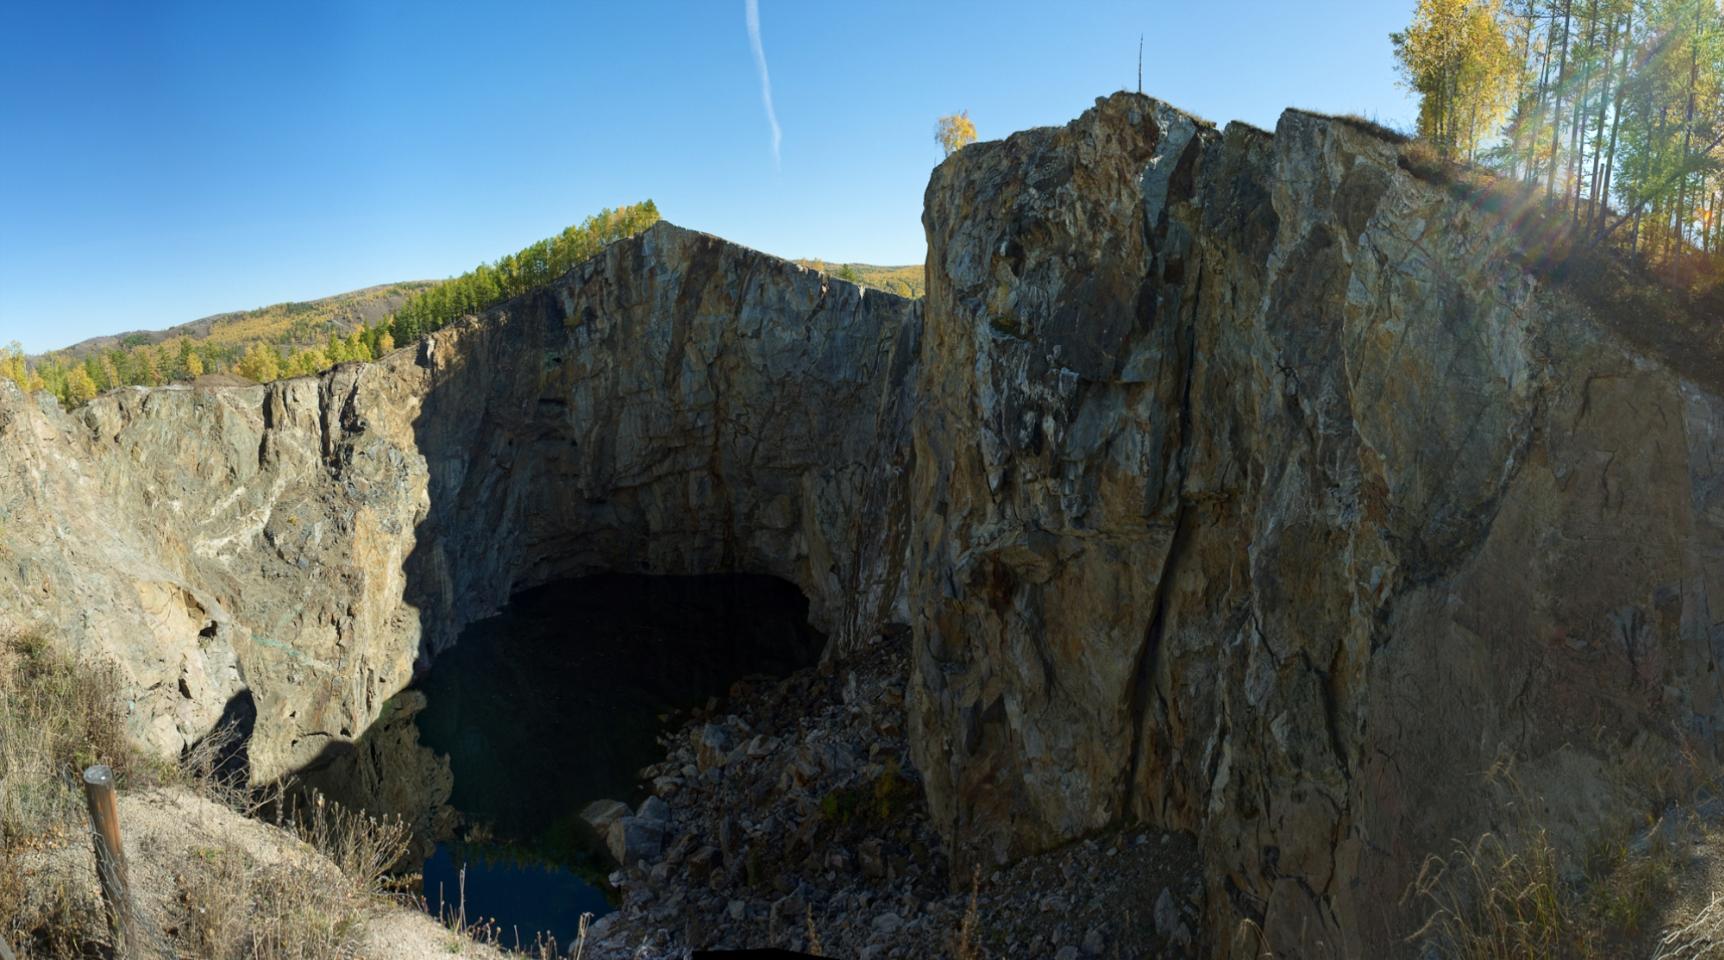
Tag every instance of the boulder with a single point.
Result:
(711, 744)
(635, 839)
(653, 808)
(600, 814)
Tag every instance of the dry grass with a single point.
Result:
(1667, 307)
(1508, 899)
(210, 896)
(1699, 939)
(230, 906)
(466, 931)
(227, 907)
(362, 847)
(1370, 125)
(815, 948)
(57, 715)
(1515, 895)
(968, 945)
(1496, 899)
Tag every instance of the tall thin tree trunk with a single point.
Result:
(1598, 128)
(1602, 203)
(1718, 221)
(1682, 212)
(1561, 82)
(1519, 128)
(1535, 135)
(1576, 145)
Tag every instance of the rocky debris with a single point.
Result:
(807, 810)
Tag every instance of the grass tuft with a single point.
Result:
(212, 896)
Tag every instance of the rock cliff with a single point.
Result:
(677, 405)
(1236, 483)
(1262, 490)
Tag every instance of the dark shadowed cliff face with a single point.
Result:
(1236, 483)
(677, 405)
(1259, 491)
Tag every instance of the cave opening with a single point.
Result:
(559, 700)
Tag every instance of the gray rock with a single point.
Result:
(711, 747)
(652, 808)
(869, 856)
(600, 814)
(634, 839)
(1166, 913)
(789, 913)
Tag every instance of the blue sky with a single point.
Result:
(164, 161)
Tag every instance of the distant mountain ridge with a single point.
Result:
(298, 338)
(905, 281)
(293, 321)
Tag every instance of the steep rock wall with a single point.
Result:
(1260, 490)
(677, 405)
(1237, 483)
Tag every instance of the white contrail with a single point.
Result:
(765, 80)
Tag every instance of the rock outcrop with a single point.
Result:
(1261, 490)
(677, 405)
(1234, 483)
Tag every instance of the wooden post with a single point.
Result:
(104, 806)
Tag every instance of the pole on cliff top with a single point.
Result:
(104, 808)
(1140, 63)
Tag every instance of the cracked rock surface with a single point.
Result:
(1263, 491)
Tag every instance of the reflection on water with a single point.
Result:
(549, 899)
(558, 701)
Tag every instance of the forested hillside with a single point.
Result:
(535, 266)
(1611, 111)
(904, 281)
(302, 335)
(295, 339)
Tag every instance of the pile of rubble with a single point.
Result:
(792, 817)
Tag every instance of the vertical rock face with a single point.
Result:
(1260, 490)
(1237, 483)
(678, 405)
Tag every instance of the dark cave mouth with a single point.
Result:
(559, 700)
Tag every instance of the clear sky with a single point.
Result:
(163, 161)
